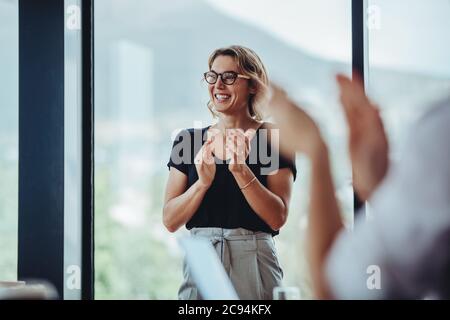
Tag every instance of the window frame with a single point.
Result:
(360, 66)
(41, 142)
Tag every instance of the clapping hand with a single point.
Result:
(367, 141)
(205, 164)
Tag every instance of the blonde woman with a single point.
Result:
(224, 185)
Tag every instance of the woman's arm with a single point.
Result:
(181, 204)
(271, 203)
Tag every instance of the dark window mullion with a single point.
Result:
(87, 289)
(358, 65)
(41, 142)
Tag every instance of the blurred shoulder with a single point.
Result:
(435, 122)
(269, 125)
(441, 107)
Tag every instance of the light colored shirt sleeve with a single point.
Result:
(404, 251)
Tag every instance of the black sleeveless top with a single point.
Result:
(224, 205)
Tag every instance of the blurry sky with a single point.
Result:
(321, 27)
(414, 35)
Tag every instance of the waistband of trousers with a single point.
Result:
(230, 234)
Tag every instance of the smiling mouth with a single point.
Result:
(222, 97)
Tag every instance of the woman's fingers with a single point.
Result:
(208, 154)
(247, 144)
(241, 143)
(240, 147)
(212, 133)
(249, 135)
(205, 155)
(236, 138)
(230, 152)
(236, 151)
(235, 157)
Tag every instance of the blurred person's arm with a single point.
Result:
(299, 133)
(368, 142)
(368, 151)
(404, 251)
(324, 220)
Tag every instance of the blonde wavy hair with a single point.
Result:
(249, 64)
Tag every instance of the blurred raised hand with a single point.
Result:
(298, 131)
(368, 143)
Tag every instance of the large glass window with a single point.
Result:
(9, 145)
(149, 60)
(409, 56)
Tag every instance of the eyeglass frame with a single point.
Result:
(238, 75)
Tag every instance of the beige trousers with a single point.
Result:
(249, 259)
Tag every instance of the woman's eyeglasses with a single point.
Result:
(228, 77)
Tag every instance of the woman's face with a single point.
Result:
(233, 98)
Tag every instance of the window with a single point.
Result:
(409, 61)
(149, 61)
(9, 145)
